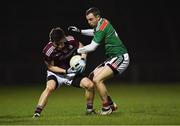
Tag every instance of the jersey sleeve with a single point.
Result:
(47, 51)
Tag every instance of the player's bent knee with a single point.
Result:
(90, 86)
(87, 83)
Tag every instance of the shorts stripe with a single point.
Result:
(117, 62)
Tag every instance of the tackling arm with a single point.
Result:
(87, 32)
(88, 48)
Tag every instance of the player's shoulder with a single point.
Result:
(72, 40)
(103, 23)
(48, 49)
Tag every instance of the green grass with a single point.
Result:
(137, 104)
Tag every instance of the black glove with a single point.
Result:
(74, 29)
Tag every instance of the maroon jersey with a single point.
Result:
(61, 57)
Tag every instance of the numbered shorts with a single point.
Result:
(65, 79)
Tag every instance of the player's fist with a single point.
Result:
(74, 29)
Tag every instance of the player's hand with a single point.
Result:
(74, 29)
(71, 70)
(81, 65)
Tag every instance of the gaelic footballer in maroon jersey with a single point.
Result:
(57, 54)
(61, 56)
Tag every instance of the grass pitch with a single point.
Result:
(146, 104)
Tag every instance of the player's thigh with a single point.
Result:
(103, 74)
(98, 70)
(51, 84)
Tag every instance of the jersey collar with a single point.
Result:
(99, 23)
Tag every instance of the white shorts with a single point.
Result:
(118, 64)
(65, 79)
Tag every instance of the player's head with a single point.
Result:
(93, 16)
(57, 36)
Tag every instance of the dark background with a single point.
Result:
(149, 30)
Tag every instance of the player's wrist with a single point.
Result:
(78, 30)
(65, 71)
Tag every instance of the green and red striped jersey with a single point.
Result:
(104, 32)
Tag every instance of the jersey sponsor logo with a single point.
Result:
(103, 25)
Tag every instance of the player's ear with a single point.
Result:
(98, 16)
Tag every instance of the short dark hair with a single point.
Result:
(56, 34)
(95, 11)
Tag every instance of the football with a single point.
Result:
(74, 61)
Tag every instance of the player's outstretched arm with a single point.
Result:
(88, 48)
(87, 32)
(74, 29)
